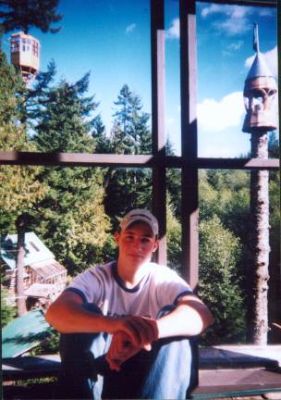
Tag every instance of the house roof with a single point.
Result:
(40, 290)
(48, 269)
(24, 333)
(35, 250)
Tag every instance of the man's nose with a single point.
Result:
(137, 243)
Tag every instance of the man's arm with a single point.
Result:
(190, 318)
(68, 315)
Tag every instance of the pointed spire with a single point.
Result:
(256, 43)
(259, 67)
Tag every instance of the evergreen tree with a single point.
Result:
(130, 187)
(102, 143)
(24, 14)
(174, 183)
(173, 237)
(71, 215)
(130, 134)
(219, 282)
(19, 188)
(8, 310)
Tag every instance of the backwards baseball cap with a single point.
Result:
(142, 215)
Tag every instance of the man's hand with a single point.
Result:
(136, 333)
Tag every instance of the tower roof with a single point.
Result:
(259, 68)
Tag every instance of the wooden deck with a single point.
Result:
(224, 372)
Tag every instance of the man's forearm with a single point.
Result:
(188, 319)
(75, 318)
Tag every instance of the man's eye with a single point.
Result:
(129, 237)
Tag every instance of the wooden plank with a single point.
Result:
(158, 125)
(190, 253)
(127, 160)
(236, 382)
(30, 367)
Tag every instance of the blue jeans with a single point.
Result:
(168, 371)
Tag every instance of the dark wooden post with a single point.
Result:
(21, 305)
(190, 246)
(158, 128)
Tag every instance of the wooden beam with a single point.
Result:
(189, 141)
(127, 161)
(158, 126)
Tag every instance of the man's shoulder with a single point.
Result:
(101, 268)
(97, 269)
(162, 271)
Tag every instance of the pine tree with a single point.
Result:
(24, 14)
(219, 281)
(130, 134)
(102, 143)
(71, 215)
(19, 188)
(128, 188)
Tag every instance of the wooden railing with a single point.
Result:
(224, 371)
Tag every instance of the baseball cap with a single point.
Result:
(142, 215)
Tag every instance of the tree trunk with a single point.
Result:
(259, 270)
(21, 305)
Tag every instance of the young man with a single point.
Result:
(127, 326)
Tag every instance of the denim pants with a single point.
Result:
(168, 371)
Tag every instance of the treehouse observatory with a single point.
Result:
(25, 55)
(260, 94)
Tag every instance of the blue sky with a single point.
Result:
(111, 39)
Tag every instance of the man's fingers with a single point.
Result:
(143, 330)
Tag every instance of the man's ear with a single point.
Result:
(156, 245)
(116, 237)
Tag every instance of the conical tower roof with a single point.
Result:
(259, 68)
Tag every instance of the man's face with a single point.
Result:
(136, 243)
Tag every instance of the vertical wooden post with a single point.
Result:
(158, 128)
(189, 142)
(21, 305)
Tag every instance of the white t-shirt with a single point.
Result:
(102, 286)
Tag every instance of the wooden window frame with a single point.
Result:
(189, 163)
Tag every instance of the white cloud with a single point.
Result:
(235, 46)
(270, 58)
(130, 28)
(173, 31)
(235, 18)
(233, 26)
(228, 10)
(219, 115)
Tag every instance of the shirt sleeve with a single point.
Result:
(88, 285)
(170, 287)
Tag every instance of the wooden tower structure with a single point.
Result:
(25, 55)
(260, 92)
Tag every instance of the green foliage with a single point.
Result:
(173, 238)
(25, 14)
(71, 215)
(128, 188)
(219, 282)
(63, 115)
(11, 85)
(19, 188)
(130, 132)
(8, 311)
(49, 346)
